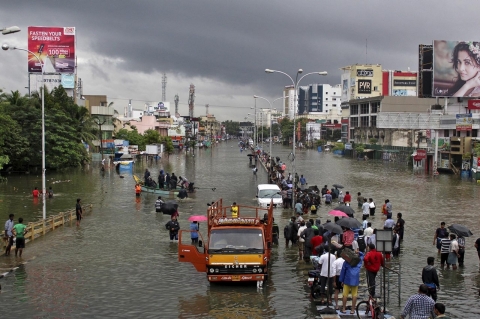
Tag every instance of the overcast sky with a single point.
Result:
(223, 46)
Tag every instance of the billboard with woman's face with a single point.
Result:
(456, 68)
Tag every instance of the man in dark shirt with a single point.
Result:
(477, 245)
(400, 225)
(430, 278)
(440, 233)
(78, 211)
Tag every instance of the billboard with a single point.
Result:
(56, 43)
(474, 104)
(402, 92)
(52, 81)
(455, 65)
(364, 86)
(464, 122)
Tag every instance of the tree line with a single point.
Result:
(69, 128)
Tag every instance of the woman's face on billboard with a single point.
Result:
(467, 67)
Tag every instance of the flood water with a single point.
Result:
(120, 263)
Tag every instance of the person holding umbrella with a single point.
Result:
(462, 232)
(194, 228)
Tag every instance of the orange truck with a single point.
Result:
(237, 249)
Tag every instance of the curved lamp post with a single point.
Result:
(9, 30)
(44, 190)
(295, 87)
(271, 104)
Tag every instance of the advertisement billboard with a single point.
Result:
(464, 122)
(56, 43)
(474, 104)
(454, 64)
(364, 86)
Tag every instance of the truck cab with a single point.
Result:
(237, 249)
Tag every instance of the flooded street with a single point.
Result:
(120, 263)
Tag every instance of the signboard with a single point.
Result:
(365, 72)
(421, 154)
(449, 74)
(405, 83)
(474, 104)
(364, 86)
(429, 133)
(68, 81)
(404, 92)
(464, 122)
(348, 146)
(57, 43)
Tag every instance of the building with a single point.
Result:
(102, 113)
(289, 101)
(399, 83)
(361, 81)
(318, 99)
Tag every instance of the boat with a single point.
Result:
(153, 190)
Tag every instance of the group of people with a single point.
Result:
(14, 233)
(165, 180)
(36, 193)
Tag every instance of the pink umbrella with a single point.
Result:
(198, 218)
(337, 213)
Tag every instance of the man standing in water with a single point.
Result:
(430, 278)
(8, 234)
(78, 211)
(19, 231)
(440, 233)
(173, 227)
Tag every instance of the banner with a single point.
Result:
(454, 64)
(464, 122)
(56, 43)
(364, 86)
(421, 154)
(474, 104)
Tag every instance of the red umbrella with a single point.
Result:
(198, 218)
(337, 213)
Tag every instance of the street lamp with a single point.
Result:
(44, 188)
(295, 87)
(270, 151)
(10, 30)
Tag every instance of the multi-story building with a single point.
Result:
(361, 81)
(289, 101)
(102, 113)
(318, 99)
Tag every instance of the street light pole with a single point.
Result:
(44, 187)
(270, 150)
(295, 87)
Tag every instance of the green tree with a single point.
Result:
(151, 137)
(167, 141)
(286, 127)
(231, 127)
(12, 143)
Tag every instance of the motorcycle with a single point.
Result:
(314, 278)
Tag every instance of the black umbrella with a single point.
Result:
(346, 209)
(334, 228)
(460, 230)
(337, 186)
(349, 222)
(170, 207)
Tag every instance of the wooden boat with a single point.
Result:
(153, 190)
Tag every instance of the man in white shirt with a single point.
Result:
(453, 252)
(326, 277)
(368, 231)
(337, 264)
(301, 241)
(365, 207)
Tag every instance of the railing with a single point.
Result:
(392, 283)
(41, 227)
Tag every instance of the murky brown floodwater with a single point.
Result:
(120, 263)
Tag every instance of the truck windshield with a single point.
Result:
(269, 193)
(236, 239)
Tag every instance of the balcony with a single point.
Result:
(102, 110)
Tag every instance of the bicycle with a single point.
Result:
(370, 306)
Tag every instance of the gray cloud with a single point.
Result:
(223, 47)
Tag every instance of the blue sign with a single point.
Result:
(68, 81)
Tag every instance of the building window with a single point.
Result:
(373, 121)
(334, 104)
(364, 108)
(446, 133)
(354, 109)
(375, 107)
(375, 88)
(354, 122)
(364, 121)
(326, 104)
(326, 99)
(474, 133)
